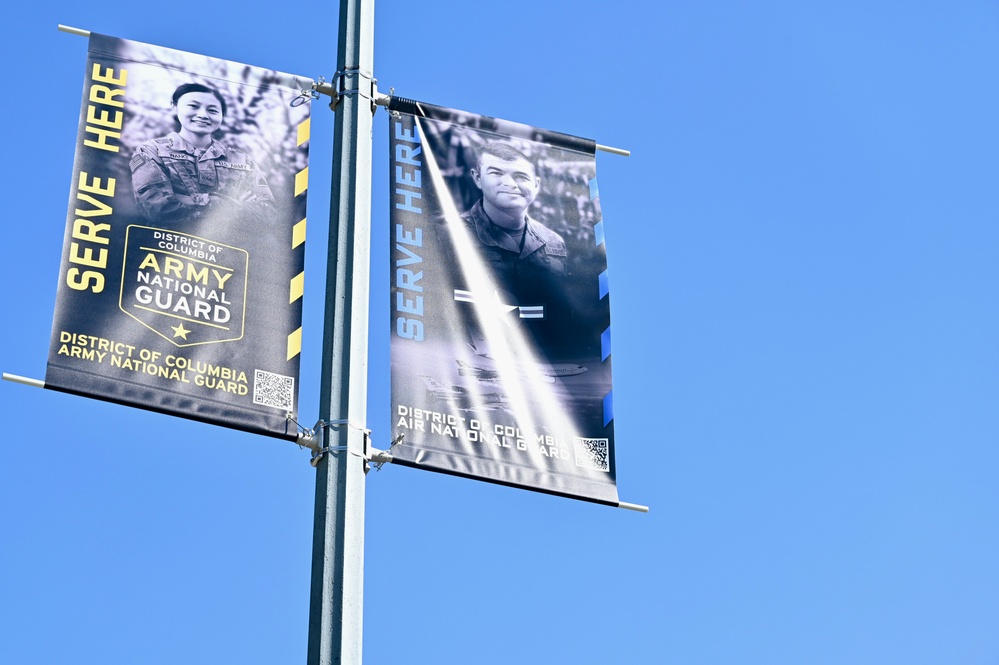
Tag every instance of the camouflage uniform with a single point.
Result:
(173, 181)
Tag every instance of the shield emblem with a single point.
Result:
(189, 290)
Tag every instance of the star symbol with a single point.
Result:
(495, 306)
(180, 331)
(499, 307)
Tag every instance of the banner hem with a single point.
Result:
(169, 412)
(613, 503)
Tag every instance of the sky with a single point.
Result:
(802, 269)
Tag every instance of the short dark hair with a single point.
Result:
(504, 151)
(196, 87)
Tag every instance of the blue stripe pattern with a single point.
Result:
(604, 287)
(605, 347)
(608, 408)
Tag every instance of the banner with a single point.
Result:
(500, 343)
(182, 267)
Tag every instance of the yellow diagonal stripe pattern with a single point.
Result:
(304, 128)
(298, 234)
(301, 181)
(297, 287)
(294, 343)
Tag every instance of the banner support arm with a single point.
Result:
(379, 456)
(383, 100)
(614, 151)
(23, 380)
(73, 31)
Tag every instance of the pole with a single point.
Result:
(336, 600)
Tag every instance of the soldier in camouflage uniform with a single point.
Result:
(186, 174)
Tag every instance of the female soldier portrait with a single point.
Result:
(189, 174)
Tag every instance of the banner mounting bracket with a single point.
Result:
(337, 88)
(379, 458)
(314, 438)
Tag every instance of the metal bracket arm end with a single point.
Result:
(73, 31)
(309, 439)
(379, 456)
(614, 151)
(633, 506)
(14, 378)
(324, 88)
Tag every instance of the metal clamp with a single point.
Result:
(315, 438)
(337, 423)
(337, 88)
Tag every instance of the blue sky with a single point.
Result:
(803, 291)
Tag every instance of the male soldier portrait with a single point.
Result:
(187, 173)
(526, 259)
(523, 262)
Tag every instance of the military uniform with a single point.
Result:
(527, 268)
(531, 267)
(174, 181)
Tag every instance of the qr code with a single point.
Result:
(592, 454)
(273, 390)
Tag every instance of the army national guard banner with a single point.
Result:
(500, 318)
(181, 278)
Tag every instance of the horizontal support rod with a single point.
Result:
(633, 506)
(614, 151)
(14, 378)
(379, 99)
(383, 100)
(73, 31)
(86, 33)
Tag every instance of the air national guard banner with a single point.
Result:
(500, 318)
(182, 267)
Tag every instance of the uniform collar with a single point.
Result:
(494, 236)
(181, 144)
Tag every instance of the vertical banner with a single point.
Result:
(182, 268)
(500, 337)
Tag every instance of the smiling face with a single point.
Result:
(508, 185)
(199, 113)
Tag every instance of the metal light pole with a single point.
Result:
(336, 601)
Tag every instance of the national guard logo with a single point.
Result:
(158, 307)
(187, 289)
(500, 338)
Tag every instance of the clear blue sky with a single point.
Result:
(803, 270)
